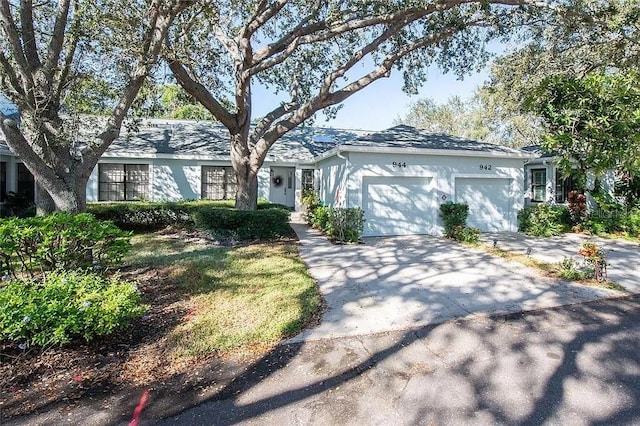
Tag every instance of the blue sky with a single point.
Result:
(378, 105)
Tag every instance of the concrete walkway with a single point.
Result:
(623, 257)
(411, 281)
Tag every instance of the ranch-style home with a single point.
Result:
(398, 176)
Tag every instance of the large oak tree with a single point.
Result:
(49, 49)
(316, 54)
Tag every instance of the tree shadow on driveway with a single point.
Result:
(562, 365)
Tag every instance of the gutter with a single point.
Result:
(424, 151)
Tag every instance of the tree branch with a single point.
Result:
(307, 34)
(325, 98)
(261, 16)
(13, 77)
(21, 147)
(57, 40)
(69, 55)
(28, 34)
(266, 121)
(199, 92)
(160, 20)
(11, 32)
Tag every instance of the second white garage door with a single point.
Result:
(490, 203)
(398, 206)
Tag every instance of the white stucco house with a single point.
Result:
(399, 176)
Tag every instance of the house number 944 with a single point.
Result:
(399, 164)
(485, 166)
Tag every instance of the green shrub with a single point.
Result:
(632, 222)
(310, 199)
(453, 215)
(243, 225)
(466, 234)
(319, 217)
(66, 305)
(147, 216)
(60, 240)
(568, 270)
(142, 216)
(345, 224)
(544, 220)
(610, 222)
(601, 224)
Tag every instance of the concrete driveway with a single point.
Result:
(405, 282)
(623, 257)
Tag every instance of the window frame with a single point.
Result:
(305, 183)
(125, 192)
(25, 186)
(535, 185)
(563, 187)
(229, 183)
(3, 181)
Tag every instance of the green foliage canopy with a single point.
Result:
(592, 123)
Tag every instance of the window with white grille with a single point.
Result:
(123, 182)
(218, 183)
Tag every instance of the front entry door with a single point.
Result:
(283, 186)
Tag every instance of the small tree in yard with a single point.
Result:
(317, 54)
(51, 52)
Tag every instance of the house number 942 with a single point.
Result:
(399, 164)
(485, 166)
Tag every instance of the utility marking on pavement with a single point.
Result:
(138, 411)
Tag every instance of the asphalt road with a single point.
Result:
(571, 365)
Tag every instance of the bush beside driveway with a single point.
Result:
(623, 257)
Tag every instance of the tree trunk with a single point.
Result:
(246, 172)
(44, 203)
(247, 193)
(66, 195)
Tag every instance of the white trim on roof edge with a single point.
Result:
(198, 157)
(427, 151)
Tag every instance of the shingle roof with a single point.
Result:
(303, 144)
(7, 107)
(208, 139)
(403, 136)
(537, 150)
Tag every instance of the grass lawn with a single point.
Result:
(209, 304)
(239, 297)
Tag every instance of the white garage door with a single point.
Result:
(398, 206)
(490, 203)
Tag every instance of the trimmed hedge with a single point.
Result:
(146, 216)
(454, 216)
(240, 224)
